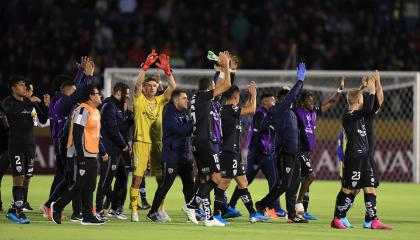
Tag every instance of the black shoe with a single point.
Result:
(259, 207)
(154, 217)
(101, 216)
(55, 214)
(27, 207)
(76, 217)
(144, 204)
(297, 220)
(92, 221)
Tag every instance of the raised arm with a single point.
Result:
(251, 105)
(164, 65)
(379, 91)
(151, 58)
(333, 99)
(224, 83)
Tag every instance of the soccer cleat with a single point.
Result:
(212, 57)
(92, 221)
(272, 213)
(309, 216)
(55, 215)
(101, 216)
(232, 213)
(116, 214)
(27, 207)
(377, 224)
(121, 216)
(346, 222)
(164, 216)
(281, 213)
(257, 217)
(259, 207)
(213, 223)
(190, 213)
(12, 215)
(144, 205)
(22, 217)
(336, 223)
(296, 219)
(134, 216)
(154, 217)
(46, 211)
(199, 215)
(367, 224)
(76, 217)
(220, 219)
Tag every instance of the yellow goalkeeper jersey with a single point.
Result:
(148, 118)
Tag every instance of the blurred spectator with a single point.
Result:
(40, 39)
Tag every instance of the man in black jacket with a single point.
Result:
(115, 140)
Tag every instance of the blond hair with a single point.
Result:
(353, 96)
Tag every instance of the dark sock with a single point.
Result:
(25, 194)
(370, 202)
(343, 204)
(203, 193)
(305, 201)
(247, 200)
(219, 200)
(18, 197)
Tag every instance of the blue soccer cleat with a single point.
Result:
(232, 213)
(12, 216)
(367, 224)
(281, 213)
(200, 215)
(220, 219)
(346, 222)
(309, 216)
(258, 217)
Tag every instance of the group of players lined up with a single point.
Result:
(169, 135)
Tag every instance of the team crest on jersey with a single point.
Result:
(170, 170)
(113, 167)
(288, 170)
(151, 108)
(235, 108)
(19, 168)
(354, 183)
(82, 172)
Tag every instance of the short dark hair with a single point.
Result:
(266, 95)
(305, 94)
(59, 80)
(204, 83)
(67, 83)
(282, 93)
(14, 80)
(87, 91)
(229, 93)
(148, 79)
(120, 87)
(177, 93)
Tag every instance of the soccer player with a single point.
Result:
(84, 145)
(176, 154)
(148, 108)
(230, 157)
(307, 116)
(206, 139)
(357, 169)
(4, 159)
(113, 123)
(60, 111)
(379, 99)
(284, 120)
(261, 153)
(21, 143)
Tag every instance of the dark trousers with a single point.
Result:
(268, 166)
(84, 186)
(288, 166)
(108, 172)
(60, 165)
(119, 193)
(169, 173)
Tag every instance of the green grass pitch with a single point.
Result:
(398, 206)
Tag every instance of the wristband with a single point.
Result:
(339, 90)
